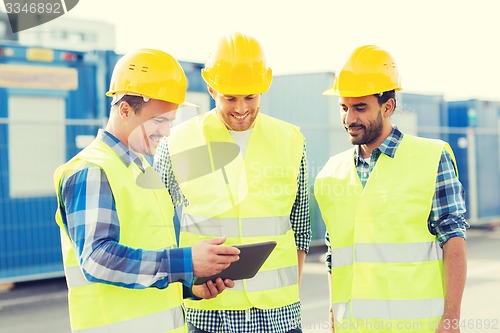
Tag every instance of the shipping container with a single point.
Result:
(299, 99)
(473, 128)
(48, 106)
(419, 114)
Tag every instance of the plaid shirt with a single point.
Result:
(252, 320)
(89, 216)
(446, 218)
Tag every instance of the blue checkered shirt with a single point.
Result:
(254, 320)
(446, 218)
(89, 215)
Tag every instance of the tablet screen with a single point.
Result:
(252, 257)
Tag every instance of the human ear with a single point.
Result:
(389, 107)
(212, 92)
(124, 110)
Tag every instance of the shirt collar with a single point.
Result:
(388, 147)
(126, 155)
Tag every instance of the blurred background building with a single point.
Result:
(76, 34)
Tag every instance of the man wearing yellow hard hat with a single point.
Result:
(394, 211)
(240, 173)
(123, 270)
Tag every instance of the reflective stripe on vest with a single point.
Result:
(250, 227)
(395, 309)
(381, 252)
(275, 278)
(75, 277)
(163, 321)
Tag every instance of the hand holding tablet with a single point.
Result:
(252, 257)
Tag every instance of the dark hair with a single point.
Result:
(136, 102)
(385, 96)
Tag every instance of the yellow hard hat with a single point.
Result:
(369, 70)
(149, 73)
(237, 66)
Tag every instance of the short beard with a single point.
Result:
(371, 134)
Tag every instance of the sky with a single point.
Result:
(442, 47)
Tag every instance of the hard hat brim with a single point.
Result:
(185, 103)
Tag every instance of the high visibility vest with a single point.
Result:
(248, 199)
(387, 273)
(142, 205)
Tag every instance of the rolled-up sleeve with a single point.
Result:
(446, 219)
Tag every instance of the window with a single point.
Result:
(37, 144)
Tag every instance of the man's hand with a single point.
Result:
(210, 289)
(209, 257)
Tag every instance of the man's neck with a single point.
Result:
(366, 150)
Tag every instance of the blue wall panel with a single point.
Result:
(29, 237)
(429, 110)
(482, 119)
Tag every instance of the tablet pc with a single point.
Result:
(252, 257)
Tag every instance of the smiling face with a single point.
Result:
(366, 121)
(238, 112)
(146, 127)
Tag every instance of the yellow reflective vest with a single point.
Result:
(145, 222)
(387, 273)
(248, 199)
